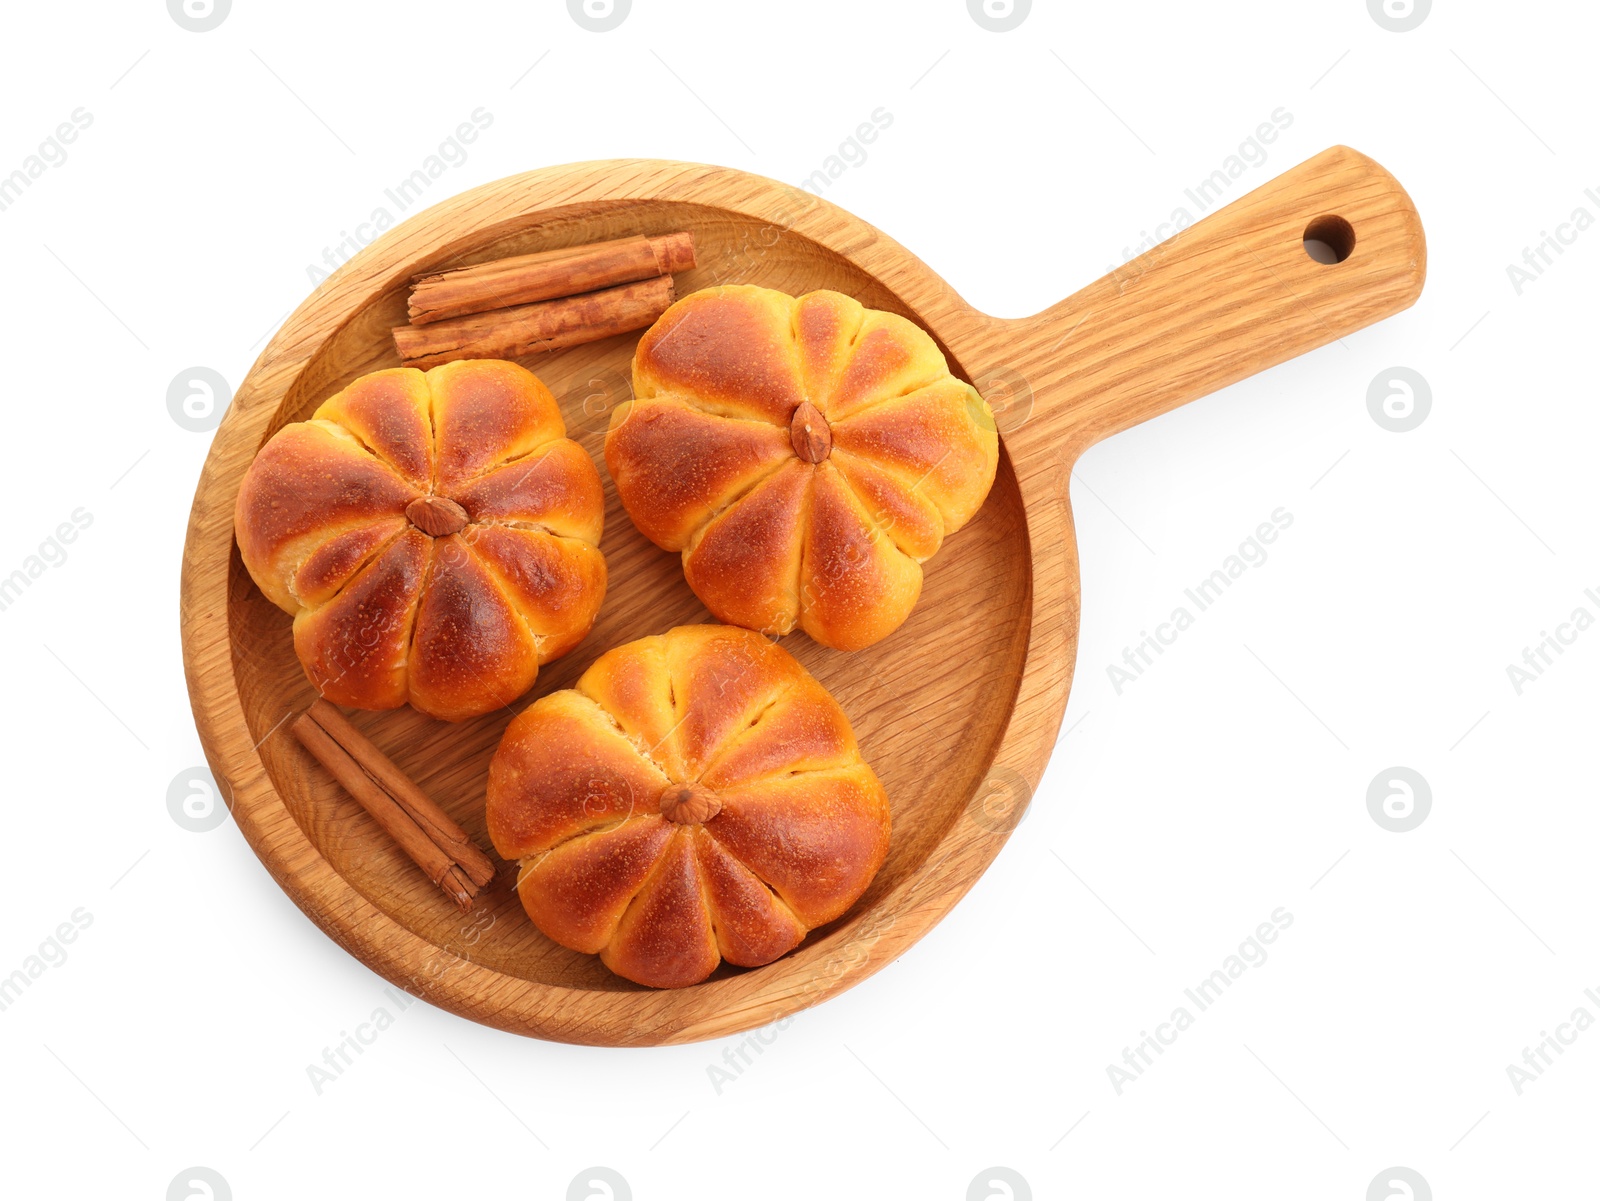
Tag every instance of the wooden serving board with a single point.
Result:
(957, 711)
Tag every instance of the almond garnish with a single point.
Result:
(809, 433)
(436, 516)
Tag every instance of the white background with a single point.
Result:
(1227, 781)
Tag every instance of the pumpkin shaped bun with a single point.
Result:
(696, 797)
(434, 535)
(806, 455)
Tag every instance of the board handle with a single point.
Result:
(1230, 295)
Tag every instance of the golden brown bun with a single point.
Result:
(799, 827)
(705, 461)
(383, 612)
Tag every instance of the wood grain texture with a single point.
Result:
(962, 703)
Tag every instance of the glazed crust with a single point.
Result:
(575, 786)
(704, 464)
(384, 614)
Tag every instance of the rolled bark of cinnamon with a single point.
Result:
(530, 328)
(438, 825)
(528, 278)
(440, 868)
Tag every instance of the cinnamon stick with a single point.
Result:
(440, 868)
(527, 278)
(529, 328)
(438, 825)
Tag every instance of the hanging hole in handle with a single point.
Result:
(1329, 240)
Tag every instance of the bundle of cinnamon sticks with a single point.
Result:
(544, 301)
(425, 832)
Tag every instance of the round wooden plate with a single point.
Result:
(957, 710)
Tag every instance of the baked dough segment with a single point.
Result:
(939, 441)
(584, 885)
(390, 413)
(564, 769)
(890, 357)
(555, 585)
(814, 838)
(745, 564)
(487, 412)
(632, 685)
(677, 466)
(313, 481)
(354, 648)
(665, 938)
(334, 563)
(826, 326)
(856, 586)
(730, 348)
(896, 506)
(556, 488)
(803, 730)
(752, 926)
(723, 679)
(470, 651)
